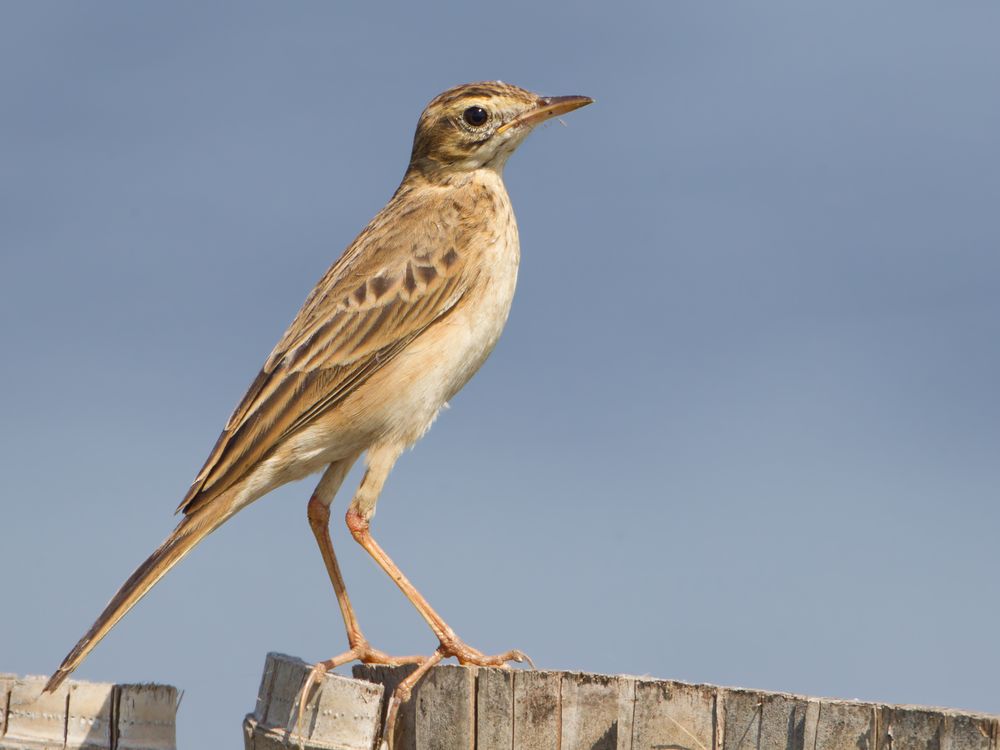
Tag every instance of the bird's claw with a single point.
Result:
(450, 646)
(468, 656)
(361, 652)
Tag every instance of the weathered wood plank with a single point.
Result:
(762, 721)
(902, 727)
(537, 710)
(973, 732)
(444, 704)
(339, 714)
(86, 715)
(742, 716)
(841, 725)
(626, 713)
(91, 719)
(441, 712)
(6, 684)
(36, 719)
(596, 711)
(459, 708)
(389, 678)
(146, 717)
(674, 715)
(783, 722)
(494, 709)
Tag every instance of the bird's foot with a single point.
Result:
(362, 652)
(452, 645)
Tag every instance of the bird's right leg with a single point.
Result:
(380, 462)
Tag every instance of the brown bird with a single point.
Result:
(392, 331)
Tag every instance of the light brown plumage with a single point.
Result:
(393, 329)
(365, 310)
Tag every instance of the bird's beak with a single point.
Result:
(547, 107)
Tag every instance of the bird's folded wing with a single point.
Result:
(368, 307)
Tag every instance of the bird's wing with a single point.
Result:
(385, 290)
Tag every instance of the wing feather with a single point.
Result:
(370, 305)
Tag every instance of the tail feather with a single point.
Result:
(191, 530)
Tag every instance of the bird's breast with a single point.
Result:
(443, 358)
(481, 316)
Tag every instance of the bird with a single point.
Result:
(390, 333)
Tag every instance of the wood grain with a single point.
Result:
(469, 708)
(92, 715)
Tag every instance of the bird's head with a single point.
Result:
(479, 125)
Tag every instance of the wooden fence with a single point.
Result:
(465, 708)
(92, 715)
(460, 708)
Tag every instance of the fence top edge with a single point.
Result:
(759, 693)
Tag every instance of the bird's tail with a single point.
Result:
(191, 530)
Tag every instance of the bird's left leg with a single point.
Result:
(380, 462)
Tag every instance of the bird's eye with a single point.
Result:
(476, 116)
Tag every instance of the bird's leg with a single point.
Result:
(451, 644)
(380, 463)
(319, 518)
(319, 521)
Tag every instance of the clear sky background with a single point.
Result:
(742, 427)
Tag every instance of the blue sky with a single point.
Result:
(743, 424)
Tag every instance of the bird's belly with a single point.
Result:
(443, 359)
